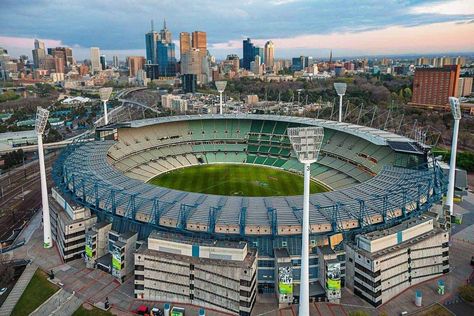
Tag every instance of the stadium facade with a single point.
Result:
(376, 179)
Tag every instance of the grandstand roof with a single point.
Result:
(375, 136)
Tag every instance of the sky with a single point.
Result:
(297, 27)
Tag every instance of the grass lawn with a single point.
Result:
(434, 310)
(238, 180)
(36, 293)
(93, 311)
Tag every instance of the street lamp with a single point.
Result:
(299, 93)
(306, 142)
(220, 85)
(104, 97)
(41, 120)
(456, 111)
(341, 91)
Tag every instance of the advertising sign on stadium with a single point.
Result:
(333, 276)
(285, 280)
(116, 260)
(88, 246)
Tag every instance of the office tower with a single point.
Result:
(235, 61)
(115, 62)
(59, 64)
(48, 62)
(258, 51)
(191, 62)
(135, 63)
(248, 53)
(189, 83)
(165, 34)
(200, 42)
(257, 65)
(103, 62)
(297, 64)
(433, 86)
(151, 40)
(184, 43)
(423, 61)
(269, 54)
(460, 61)
(465, 87)
(95, 59)
(152, 71)
(38, 53)
(166, 59)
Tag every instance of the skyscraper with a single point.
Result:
(269, 54)
(165, 34)
(258, 51)
(38, 53)
(115, 62)
(184, 43)
(95, 59)
(103, 62)
(248, 53)
(135, 63)
(200, 42)
(151, 40)
(433, 86)
(166, 59)
(191, 62)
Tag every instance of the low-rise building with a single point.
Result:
(207, 273)
(384, 263)
(97, 242)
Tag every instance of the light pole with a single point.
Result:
(306, 142)
(41, 120)
(456, 111)
(220, 85)
(299, 93)
(104, 97)
(341, 91)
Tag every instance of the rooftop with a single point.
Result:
(393, 230)
(193, 241)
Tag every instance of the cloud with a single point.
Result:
(120, 25)
(453, 7)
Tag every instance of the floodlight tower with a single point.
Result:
(40, 126)
(104, 97)
(456, 111)
(306, 142)
(220, 85)
(341, 91)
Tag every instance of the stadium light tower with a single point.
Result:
(40, 126)
(341, 91)
(104, 97)
(220, 85)
(456, 111)
(306, 142)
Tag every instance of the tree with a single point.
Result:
(6, 271)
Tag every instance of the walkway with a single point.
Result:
(61, 303)
(18, 290)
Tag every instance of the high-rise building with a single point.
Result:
(191, 62)
(423, 61)
(269, 54)
(151, 40)
(103, 62)
(95, 59)
(465, 86)
(258, 51)
(135, 63)
(256, 65)
(433, 86)
(115, 62)
(166, 59)
(38, 53)
(184, 43)
(248, 53)
(165, 34)
(189, 83)
(59, 64)
(200, 42)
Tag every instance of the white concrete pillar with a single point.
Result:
(304, 279)
(452, 168)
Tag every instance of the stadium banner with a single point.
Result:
(333, 276)
(285, 280)
(88, 247)
(116, 260)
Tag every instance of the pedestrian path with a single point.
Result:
(61, 303)
(18, 290)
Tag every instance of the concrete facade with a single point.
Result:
(211, 274)
(384, 263)
(69, 222)
(97, 243)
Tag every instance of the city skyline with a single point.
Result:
(298, 27)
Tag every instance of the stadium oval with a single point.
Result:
(376, 177)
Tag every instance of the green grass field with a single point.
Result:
(36, 293)
(238, 180)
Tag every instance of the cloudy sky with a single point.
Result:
(312, 27)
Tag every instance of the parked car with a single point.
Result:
(3, 290)
(156, 312)
(142, 310)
